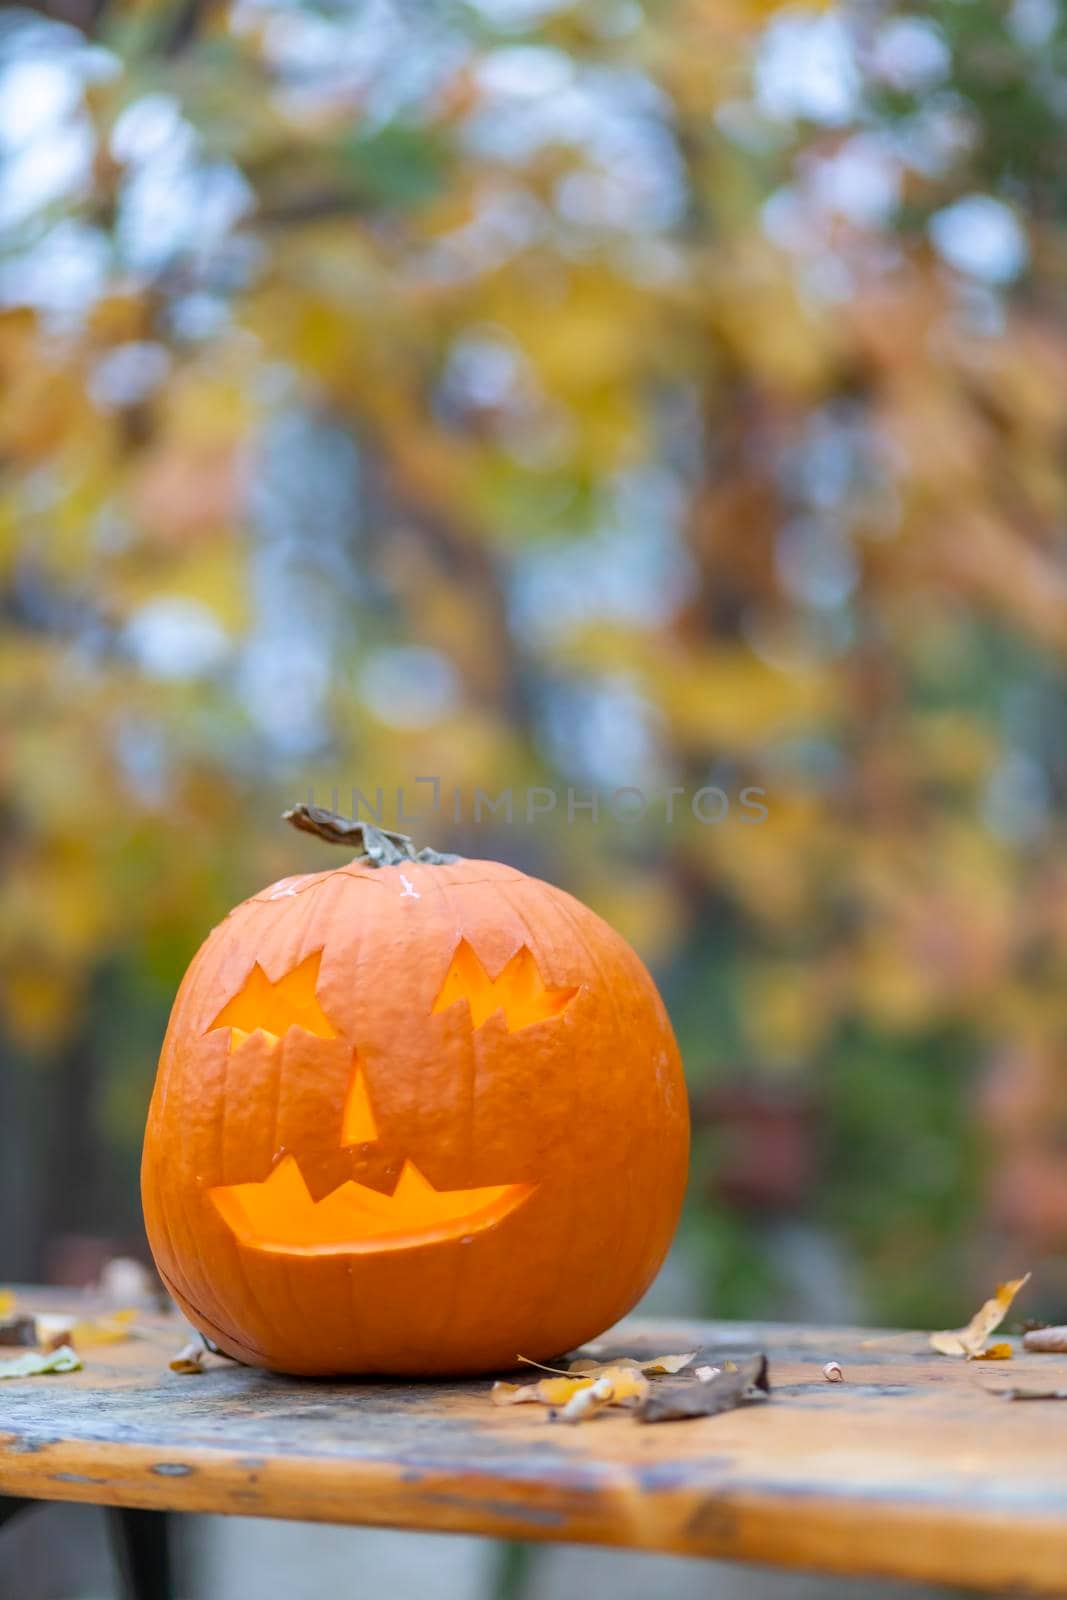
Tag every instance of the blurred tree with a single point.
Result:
(532, 393)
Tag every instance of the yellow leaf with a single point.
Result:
(995, 1352)
(56, 1328)
(589, 1400)
(7, 1302)
(549, 1392)
(109, 1329)
(970, 1341)
(625, 1381)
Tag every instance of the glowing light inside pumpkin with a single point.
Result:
(358, 1125)
(280, 1214)
(518, 991)
(273, 1007)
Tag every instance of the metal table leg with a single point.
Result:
(10, 1507)
(141, 1542)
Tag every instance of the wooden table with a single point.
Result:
(912, 1467)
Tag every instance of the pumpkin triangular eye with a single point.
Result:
(358, 1125)
(518, 991)
(273, 1007)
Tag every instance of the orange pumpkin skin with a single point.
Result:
(547, 1081)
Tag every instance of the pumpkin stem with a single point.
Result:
(379, 847)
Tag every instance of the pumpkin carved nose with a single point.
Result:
(358, 1125)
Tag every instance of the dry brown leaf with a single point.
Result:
(1046, 1341)
(592, 1369)
(667, 1364)
(970, 1341)
(652, 1365)
(743, 1383)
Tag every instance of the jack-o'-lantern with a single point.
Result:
(413, 1115)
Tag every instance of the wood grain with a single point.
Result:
(911, 1467)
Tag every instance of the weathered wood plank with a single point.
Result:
(909, 1468)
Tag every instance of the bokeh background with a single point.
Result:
(581, 396)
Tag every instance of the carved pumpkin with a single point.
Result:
(413, 1115)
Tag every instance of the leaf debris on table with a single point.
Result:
(588, 1400)
(49, 1331)
(56, 1328)
(970, 1342)
(190, 1357)
(38, 1363)
(653, 1388)
(654, 1366)
(739, 1384)
(620, 1384)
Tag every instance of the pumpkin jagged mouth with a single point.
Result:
(280, 1215)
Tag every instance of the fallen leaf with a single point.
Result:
(588, 1400)
(653, 1365)
(18, 1330)
(591, 1369)
(548, 1392)
(995, 1352)
(55, 1328)
(1046, 1341)
(627, 1383)
(970, 1341)
(34, 1364)
(109, 1329)
(747, 1381)
(667, 1364)
(7, 1302)
(190, 1357)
